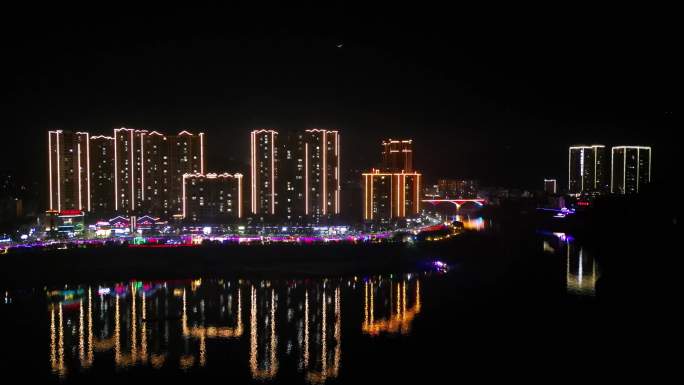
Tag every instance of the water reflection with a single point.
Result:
(581, 269)
(167, 325)
(398, 313)
(472, 223)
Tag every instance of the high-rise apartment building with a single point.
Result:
(397, 155)
(394, 191)
(587, 169)
(390, 195)
(550, 186)
(102, 174)
(149, 169)
(69, 171)
(212, 197)
(630, 169)
(263, 173)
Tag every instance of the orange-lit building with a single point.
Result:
(392, 192)
(69, 170)
(389, 195)
(397, 155)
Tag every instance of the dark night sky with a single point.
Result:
(494, 97)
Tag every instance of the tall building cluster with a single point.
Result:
(293, 178)
(591, 170)
(393, 191)
(131, 172)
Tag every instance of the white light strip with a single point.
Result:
(624, 171)
(184, 176)
(581, 170)
(306, 178)
(239, 181)
(649, 165)
(569, 170)
(252, 169)
(50, 164)
(272, 172)
(324, 148)
(88, 167)
(116, 177)
(417, 204)
(78, 164)
(59, 196)
(131, 148)
(337, 173)
(201, 135)
(612, 168)
(142, 165)
(637, 170)
(595, 161)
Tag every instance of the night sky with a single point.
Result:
(496, 97)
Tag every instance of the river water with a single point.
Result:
(440, 321)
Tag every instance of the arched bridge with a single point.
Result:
(456, 202)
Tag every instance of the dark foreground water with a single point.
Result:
(503, 315)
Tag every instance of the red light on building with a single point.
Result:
(71, 212)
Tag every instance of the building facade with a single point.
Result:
(457, 188)
(397, 155)
(69, 171)
(149, 169)
(390, 195)
(550, 186)
(587, 169)
(102, 174)
(263, 171)
(212, 197)
(630, 169)
(321, 173)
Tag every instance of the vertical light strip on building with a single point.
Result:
(116, 182)
(649, 164)
(142, 166)
(78, 165)
(306, 178)
(253, 171)
(324, 149)
(570, 170)
(337, 173)
(371, 196)
(272, 172)
(612, 165)
(239, 181)
(184, 176)
(417, 203)
(59, 196)
(132, 175)
(624, 170)
(88, 166)
(365, 196)
(50, 165)
(595, 161)
(637, 169)
(201, 136)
